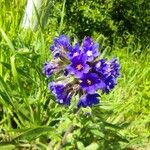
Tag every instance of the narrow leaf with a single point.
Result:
(7, 40)
(34, 133)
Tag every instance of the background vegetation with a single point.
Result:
(29, 116)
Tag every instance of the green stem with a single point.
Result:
(70, 129)
(62, 17)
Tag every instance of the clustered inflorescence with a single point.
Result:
(78, 71)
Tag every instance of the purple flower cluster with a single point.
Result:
(79, 71)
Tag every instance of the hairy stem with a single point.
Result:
(70, 129)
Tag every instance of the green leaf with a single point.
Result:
(34, 133)
(80, 145)
(7, 146)
(20, 71)
(7, 40)
(93, 146)
(13, 68)
(3, 84)
(6, 100)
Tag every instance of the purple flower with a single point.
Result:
(78, 72)
(60, 46)
(88, 100)
(114, 67)
(74, 51)
(91, 82)
(108, 71)
(111, 68)
(110, 83)
(59, 90)
(49, 68)
(101, 67)
(90, 48)
(78, 66)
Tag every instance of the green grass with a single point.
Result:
(29, 116)
(130, 100)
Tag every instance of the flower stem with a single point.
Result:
(69, 130)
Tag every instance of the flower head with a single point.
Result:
(101, 67)
(49, 68)
(91, 82)
(110, 83)
(78, 66)
(114, 67)
(74, 51)
(90, 49)
(109, 71)
(60, 46)
(59, 90)
(88, 100)
(79, 72)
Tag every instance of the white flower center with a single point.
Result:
(75, 54)
(61, 101)
(89, 53)
(98, 65)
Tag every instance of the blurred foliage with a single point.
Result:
(116, 20)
